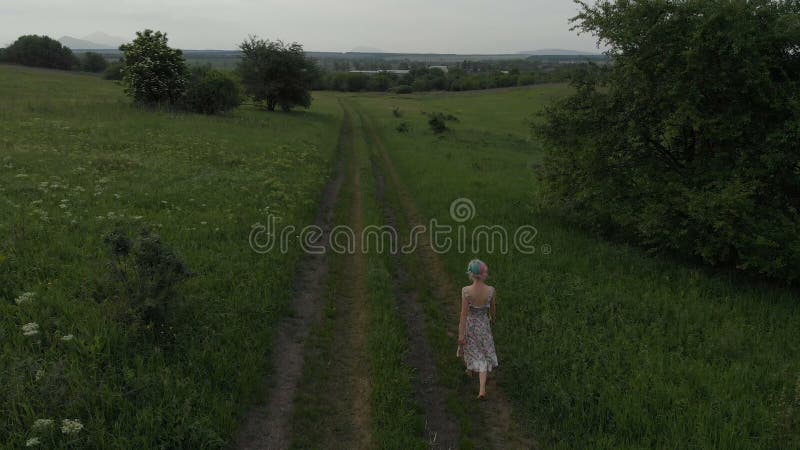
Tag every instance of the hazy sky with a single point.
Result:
(441, 26)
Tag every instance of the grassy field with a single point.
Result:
(78, 161)
(600, 345)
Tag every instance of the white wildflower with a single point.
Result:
(26, 297)
(41, 424)
(32, 442)
(67, 337)
(37, 377)
(71, 426)
(29, 329)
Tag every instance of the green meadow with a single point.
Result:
(77, 161)
(601, 345)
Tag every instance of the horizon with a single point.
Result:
(356, 50)
(472, 27)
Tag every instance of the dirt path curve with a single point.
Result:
(499, 426)
(441, 430)
(267, 425)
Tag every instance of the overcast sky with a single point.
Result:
(440, 26)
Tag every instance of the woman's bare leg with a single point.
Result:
(482, 376)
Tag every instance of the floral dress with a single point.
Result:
(478, 350)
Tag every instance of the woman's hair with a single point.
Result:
(478, 270)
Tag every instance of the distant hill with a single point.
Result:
(556, 52)
(95, 41)
(81, 44)
(105, 39)
(365, 49)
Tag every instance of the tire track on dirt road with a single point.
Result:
(266, 425)
(334, 409)
(442, 432)
(499, 426)
(352, 385)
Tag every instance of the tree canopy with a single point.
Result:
(153, 73)
(690, 141)
(276, 73)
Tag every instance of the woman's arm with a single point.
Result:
(493, 307)
(462, 321)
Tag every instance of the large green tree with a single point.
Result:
(689, 141)
(276, 73)
(40, 51)
(153, 73)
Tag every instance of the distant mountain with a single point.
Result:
(556, 52)
(81, 44)
(365, 49)
(105, 39)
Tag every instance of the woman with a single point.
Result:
(478, 309)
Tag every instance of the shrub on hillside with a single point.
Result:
(211, 92)
(40, 51)
(438, 123)
(153, 72)
(93, 62)
(690, 141)
(143, 276)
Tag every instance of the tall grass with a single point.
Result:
(601, 345)
(76, 162)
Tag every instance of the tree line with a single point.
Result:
(434, 79)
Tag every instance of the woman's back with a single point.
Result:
(478, 295)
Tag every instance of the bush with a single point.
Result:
(403, 127)
(689, 141)
(402, 89)
(396, 112)
(114, 71)
(93, 62)
(437, 122)
(143, 277)
(381, 82)
(211, 92)
(356, 82)
(153, 72)
(420, 85)
(40, 51)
